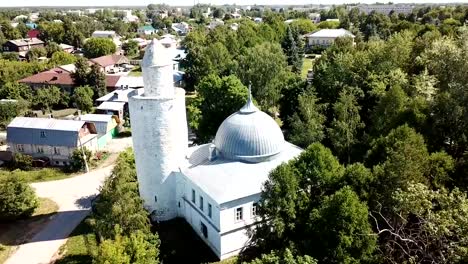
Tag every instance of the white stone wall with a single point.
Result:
(159, 81)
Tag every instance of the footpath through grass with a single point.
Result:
(307, 64)
(18, 232)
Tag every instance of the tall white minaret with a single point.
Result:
(159, 131)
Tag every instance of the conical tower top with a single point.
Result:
(156, 55)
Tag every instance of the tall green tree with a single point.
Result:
(17, 198)
(97, 80)
(82, 69)
(83, 98)
(217, 99)
(346, 123)
(308, 123)
(47, 97)
(292, 49)
(97, 47)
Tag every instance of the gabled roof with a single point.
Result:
(26, 42)
(109, 60)
(331, 33)
(55, 76)
(46, 131)
(114, 106)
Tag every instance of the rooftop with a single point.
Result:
(96, 118)
(331, 33)
(227, 180)
(109, 60)
(113, 106)
(26, 41)
(46, 123)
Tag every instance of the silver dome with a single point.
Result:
(249, 135)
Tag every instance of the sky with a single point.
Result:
(22, 3)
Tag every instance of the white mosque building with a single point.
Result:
(215, 187)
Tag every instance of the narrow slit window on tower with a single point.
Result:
(210, 213)
(201, 203)
(193, 196)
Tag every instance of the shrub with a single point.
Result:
(17, 198)
(22, 162)
(77, 160)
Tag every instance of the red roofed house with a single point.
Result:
(62, 77)
(110, 63)
(33, 33)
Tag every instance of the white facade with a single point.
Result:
(326, 37)
(215, 194)
(385, 9)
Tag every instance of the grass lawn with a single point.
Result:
(179, 244)
(306, 66)
(20, 231)
(42, 175)
(135, 71)
(79, 247)
(57, 113)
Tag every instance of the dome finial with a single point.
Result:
(249, 107)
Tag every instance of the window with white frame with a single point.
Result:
(201, 203)
(20, 147)
(239, 214)
(210, 213)
(193, 196)
(254, 209)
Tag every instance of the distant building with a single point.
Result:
(146, 30)
(215, 23)
(34, 33)
(108, 34)
(106, 127)
(385, 9)
(31, 25)
(181, 28)
(54, 139)
(326, 37)
(110, 63)
(315, 17)
(22, 46)
(67, 48)
(169, 41)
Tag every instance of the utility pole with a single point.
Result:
(84, 155)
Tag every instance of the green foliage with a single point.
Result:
(307, 124)
(131, 48)
(35, 53)
(22, 162)
(47, 97)
(292, 46)
(17, 198)
(14, 90)
(426, 226)
(10, 110)
(286, 257)
(12, 71)
(77, 160)
(97, 80)
(137, 248)
(62, 58)
(341, 229)
(119, 202)
(83, 98)
(82, 69)
(265, 67)
(217, 99)
(97, 47)
(51, 48)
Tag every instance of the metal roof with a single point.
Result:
(331, 33)
(44, 131)
(114, 106)
(249, 135)
(227, 180)
(96, 118)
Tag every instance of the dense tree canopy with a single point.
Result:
(97, 47)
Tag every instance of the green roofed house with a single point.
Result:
(146, 30)
(106, 127)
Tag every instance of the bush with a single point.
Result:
(17, 198)
(77, 160)
(22, 162)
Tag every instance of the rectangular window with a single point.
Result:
(239, 214)
(40, 149)
(204, 229)
(193, 196)
(201, 203)
(43, 134)
(20, 147)
(56, 151)
(209, 210)
(254, 209)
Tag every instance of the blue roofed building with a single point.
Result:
(50, 138)
(106, 127)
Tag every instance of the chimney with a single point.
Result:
(212, 152)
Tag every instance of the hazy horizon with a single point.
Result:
(92, 3)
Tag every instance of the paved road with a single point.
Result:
(73, 196)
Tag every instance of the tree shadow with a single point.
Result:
(86, 201)
(180, 244)
(75, 259)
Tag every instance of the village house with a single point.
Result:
(146, 30)
(108, 34)
(22, 46)
(326, 37)
(49, 138)
(106, 127)
(67, 48)
(110, 63)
